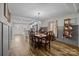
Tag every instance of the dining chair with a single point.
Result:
(46, 41)
(31, 38)
(35, 41)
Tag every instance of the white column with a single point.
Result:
(78, 29)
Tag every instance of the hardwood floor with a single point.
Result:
(20, 46)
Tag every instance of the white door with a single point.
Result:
(0, 39)
(5, 40)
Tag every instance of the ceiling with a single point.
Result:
(47, 10)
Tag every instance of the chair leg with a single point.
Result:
(49, 45)
(45, 47)
(35, 44)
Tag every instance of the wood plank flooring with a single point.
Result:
(20, 46)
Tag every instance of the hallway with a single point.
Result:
(43, 24)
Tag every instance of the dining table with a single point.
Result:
(39, 37)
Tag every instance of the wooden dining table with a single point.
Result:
(39, 37)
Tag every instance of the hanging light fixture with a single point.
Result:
(37, 21)
(38, 15)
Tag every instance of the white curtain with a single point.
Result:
(52, 26)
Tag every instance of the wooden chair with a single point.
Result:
(46, 40)
(34, 41)
(53, 38)
(31, 37)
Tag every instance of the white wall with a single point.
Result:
(5, 36)
(5, 40)
(0, 39)
(20, 24)
(19, 28)
(2, 18)
(61, 20)
(78, 30)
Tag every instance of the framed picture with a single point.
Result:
(7, 13)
